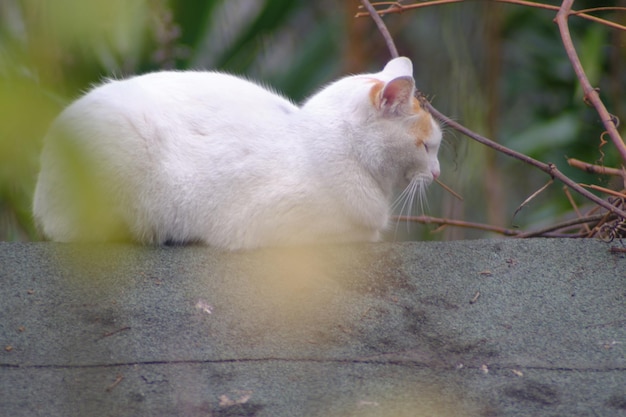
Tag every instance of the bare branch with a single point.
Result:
(591, 94)
(549, 169)
(595, 169)
(600, 9)
(544, 232)
(570, 198)
(574, 222)
(382, 28)
(395, 7)
(533, 195)
(605, 190)
(458, 223)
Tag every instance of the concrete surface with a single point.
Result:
(470, 328)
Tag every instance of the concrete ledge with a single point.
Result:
(471, 328)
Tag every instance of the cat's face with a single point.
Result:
(395, 137)
(407, 132)
(411, 130)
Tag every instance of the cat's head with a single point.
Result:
(389, 126)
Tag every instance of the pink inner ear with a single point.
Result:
(398, 93)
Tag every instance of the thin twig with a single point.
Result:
(115, 383)
(600, 9)
(595, 169)
(563, 225)
(533, 195)
(395, 7)
(475, 297)
(458, 223)
(591, 94)
(605, 190)
(399, 8)
(570, 198)
(543, 232)
(448, 189)
(608, 217)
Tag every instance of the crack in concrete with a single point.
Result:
(408, 363)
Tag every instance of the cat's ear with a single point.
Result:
(396, 97)
(398, 67)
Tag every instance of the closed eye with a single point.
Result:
(426, 147)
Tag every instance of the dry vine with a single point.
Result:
(611, 223)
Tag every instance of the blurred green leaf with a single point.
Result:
(241, 53)
(590, 53)
(556, 133)
(312, 65)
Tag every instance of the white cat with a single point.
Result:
(178, 157)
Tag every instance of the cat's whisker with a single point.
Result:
(416, 204)
(412, 190)
(405, 204)
(403, 199)
(416, 191)
(399, 199)
(421, 193)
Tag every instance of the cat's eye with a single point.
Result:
(426, 147)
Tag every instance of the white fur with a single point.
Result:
(211, 158)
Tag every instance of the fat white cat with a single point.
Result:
(206, 157)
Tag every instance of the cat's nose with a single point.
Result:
(435, 173)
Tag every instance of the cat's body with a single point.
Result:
(211, 158)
